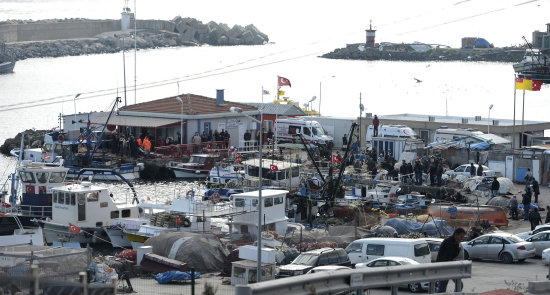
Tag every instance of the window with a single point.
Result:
(27, 177)
(498, 241)
(57, 177)
(536, 238)
(268, 202)
(54, 197)
(421, 249)
(92, 197)
(306, 259)
(324, 259)
(126, 213)
(254, 202)
(333, 257)
(114, 214)
(460, 169)
(307, 131)
(295, 172)
(103, 204)
(379, 263)
(294, 129)
(318, 131)
(73, 199)
(239, 202)
(393, 263)
(342, 255)
(373, 249)
(278, 200)
(99, 224)
(354, 248)
(42, 177)
(481, 240)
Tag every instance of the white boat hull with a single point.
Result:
(28, 236)
(184, 173)
(117, 237)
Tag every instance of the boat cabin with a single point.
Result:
(275, 173)
(87, 205)
(273, 209)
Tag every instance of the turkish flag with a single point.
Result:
(283, 81)
(29, 189)
(74, 229)
(336, 159)
(273, 168)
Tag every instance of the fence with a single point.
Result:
(180, 150)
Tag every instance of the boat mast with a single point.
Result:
(135, 54)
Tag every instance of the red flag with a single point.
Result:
(336, 159)
(536, 85)
(47, 157)
(273, 168)
(74, 229)
(283, 81)
(148, 199)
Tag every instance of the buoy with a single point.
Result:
(60, 138)
(215, 197)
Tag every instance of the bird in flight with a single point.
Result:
(418, 80)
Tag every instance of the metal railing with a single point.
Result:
(362, 279)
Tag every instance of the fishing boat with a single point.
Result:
(12, 232)
(82, 211)
(275, 173)
(198, 166)
(223, 172)
(535, 66)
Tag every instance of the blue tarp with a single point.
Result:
(169, 276)
(403, 227)
(477, 146)
(482, 43)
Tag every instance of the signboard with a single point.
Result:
(232, 123)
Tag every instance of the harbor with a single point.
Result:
(195, 155)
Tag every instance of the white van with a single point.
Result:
(445, 134)
(399, 131)
(311, 130)
(365, 250)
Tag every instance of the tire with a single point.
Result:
(186, 222)
(415, 288)
(466, 255)
(506, 258)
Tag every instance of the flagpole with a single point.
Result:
(514, 126)
(262, 94)
(522, 120)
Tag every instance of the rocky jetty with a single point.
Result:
(358, 52)
(33, 139)
(150, 34)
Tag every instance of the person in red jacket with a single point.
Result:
(375, 123)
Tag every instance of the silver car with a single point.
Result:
(541, 242)
(498, 246)
(465, 170)
(395, 261)
(538, 229)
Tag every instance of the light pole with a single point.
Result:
(260, 204)
(311, 105)
(489, 118)
(181, 119)
(74, 100)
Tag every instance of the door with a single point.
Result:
(374, 251)
(541, 242)
(495, 246)
(478, 247)
(356, 252)
(207, 126)
(535, 169)
(509, 167)
(81, 207)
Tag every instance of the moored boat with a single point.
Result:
(198, 166)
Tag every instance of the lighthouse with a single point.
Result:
(371, 34)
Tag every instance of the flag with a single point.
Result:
(281, 93)
(282, 81)
(74, 229)
(273, 168)
(47, 157)
(528, 84)
(336, 159)
(148, 199)
(265, 92)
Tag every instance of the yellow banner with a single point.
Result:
(524, 84)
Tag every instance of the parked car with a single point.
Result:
(465, 170)
(319, 257)
(433, 244)
(546, 257)
(541, 241)
(365, 250)
(328, 268)
(538, 229)
(395, 261)
(499, 246)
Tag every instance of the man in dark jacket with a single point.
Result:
(534, 218)
(418, 173)
(449, 251)
(375, 123)
(439, 173)
(479, 170)
(472, 170)
(495, 186)
(526, 201)
(536, 190)
(514, 208)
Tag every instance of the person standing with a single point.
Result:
(472, 170)
(514, 208)
(247, 137)
(479, 169)
(536, 190)
(418, 172)
(547, 220)
(344, 141)
(433, 170)
(439, 174)
(449, 251)
(534, 218)
(403, 171)
(452, 210)
(526, 201)
(495, 186)
(375, 124)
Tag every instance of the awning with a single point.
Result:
(135, 121)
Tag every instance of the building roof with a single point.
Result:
(455, 119)
(192, 105)
(278, 109)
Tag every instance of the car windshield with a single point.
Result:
(404, 262)
(514, 239)
(318, 131)
(306, 259)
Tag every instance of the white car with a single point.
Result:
(465, 170)
(327, 268)
(541, 241)
(546, 257)
(538, 229)
(498, 246)
(395, 261)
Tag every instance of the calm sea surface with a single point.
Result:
(41, 89)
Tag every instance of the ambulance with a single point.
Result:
(288, 128)
(398, 131)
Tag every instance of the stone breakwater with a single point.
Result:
(351, 51)
(55, 38)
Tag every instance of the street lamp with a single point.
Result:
(259, 270)
(489, 118)
(181, 119)
(74, 100)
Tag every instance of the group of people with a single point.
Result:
(268, 137)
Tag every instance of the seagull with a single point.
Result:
(417, 80)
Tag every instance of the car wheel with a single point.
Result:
(466, 255)
(506, 258)
(415, 288)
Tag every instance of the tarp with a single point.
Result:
(482, 43)
(432, 228)
(169, 276)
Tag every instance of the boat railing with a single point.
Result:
(30, 210)
(219, 209)
(180, 150)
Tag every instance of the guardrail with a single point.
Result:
(361, 279)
